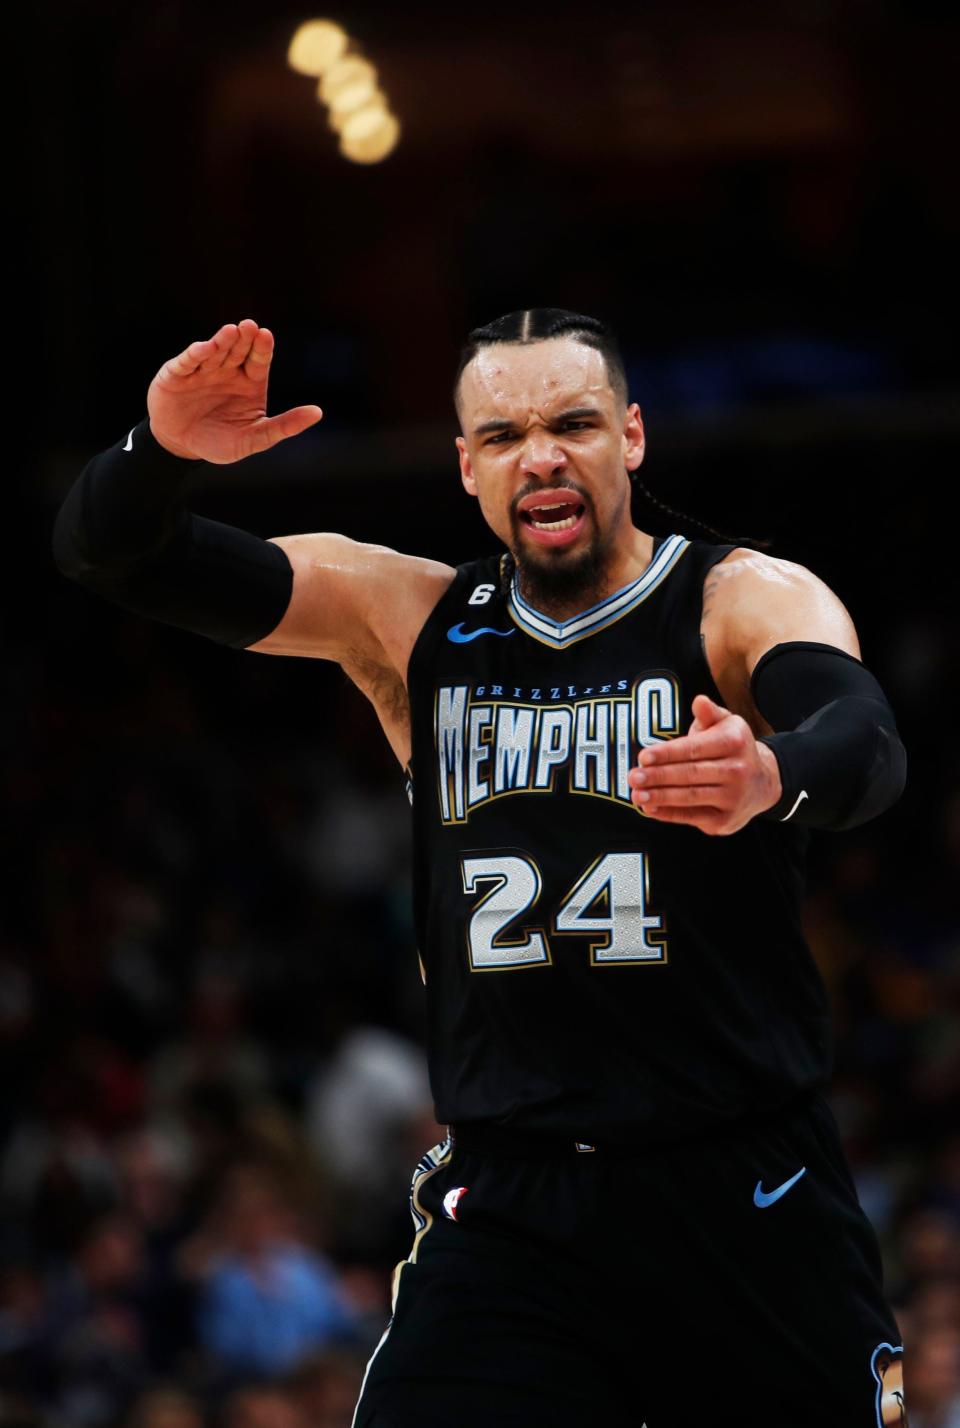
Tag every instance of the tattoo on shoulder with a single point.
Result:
(709, 590)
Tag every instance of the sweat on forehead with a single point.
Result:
(520, 377)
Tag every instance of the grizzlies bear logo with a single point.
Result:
(887, 1366)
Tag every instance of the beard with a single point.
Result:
(557, 581)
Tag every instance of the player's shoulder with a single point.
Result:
(744, 574)
(753, 600)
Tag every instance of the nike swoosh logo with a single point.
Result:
(129, 445)
(802, 795)
(460, 636)
(763, 1198)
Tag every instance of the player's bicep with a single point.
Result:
(326, 612)
(773, 601)
(351, 601)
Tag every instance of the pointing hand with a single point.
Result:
(210, 402)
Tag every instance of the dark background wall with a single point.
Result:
(205, 851)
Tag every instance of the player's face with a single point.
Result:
(546, 448)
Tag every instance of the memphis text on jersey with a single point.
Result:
(494, 741)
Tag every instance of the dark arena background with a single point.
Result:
(211, 1015)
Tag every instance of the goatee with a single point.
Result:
(560, 584)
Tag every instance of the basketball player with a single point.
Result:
(617, 746)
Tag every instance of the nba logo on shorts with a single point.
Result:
(452, 1199)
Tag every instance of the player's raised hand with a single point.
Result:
(210, 402)
(715, 777)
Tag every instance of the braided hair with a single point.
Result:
(679, 518)
(538, 324)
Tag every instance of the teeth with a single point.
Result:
(539, 517)
(554, 525)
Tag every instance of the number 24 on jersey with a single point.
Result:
(607, 905)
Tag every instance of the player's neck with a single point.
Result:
(562, 595)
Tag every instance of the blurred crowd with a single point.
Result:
(214, 1091)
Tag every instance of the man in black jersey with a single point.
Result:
(616, 746)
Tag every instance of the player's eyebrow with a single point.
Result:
(576, 414)
(504, 423)
(496, 424)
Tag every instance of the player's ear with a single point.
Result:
(634, 441)
(466, 470)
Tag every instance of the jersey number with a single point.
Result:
(607, 905)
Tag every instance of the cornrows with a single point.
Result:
(755, 543)
(539, 324)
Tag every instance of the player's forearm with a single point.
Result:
(843, 763)
(841, 767)
(123, 532)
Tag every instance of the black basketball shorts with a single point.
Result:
(735, 1280)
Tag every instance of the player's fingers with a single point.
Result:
(189, 359)
(696, 771)
(246, 335)
(222, 342)
(707, 819)
(707, 711)
(271, 430)
(727, 737)
(258, 359)
(698, 796)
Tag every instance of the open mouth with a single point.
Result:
(552, 515)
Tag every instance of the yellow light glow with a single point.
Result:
(365, 121)
(349, 70)
(361, 95)
(316, 45)
(369, 135)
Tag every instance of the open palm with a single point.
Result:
(210, 402)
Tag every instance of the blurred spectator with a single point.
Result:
(267, 1298)
(263, 1406)
(23, 1318)
(150, 1170)
(326, 1388)
(361, 1111)
(96, 1329)
(165, 1408)
(932, 1380)
(217, 1049)
(16, 1412)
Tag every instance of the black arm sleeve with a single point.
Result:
(837, 746)
(123, 532)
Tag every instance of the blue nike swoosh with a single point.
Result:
(762, 1198)
(460, 636)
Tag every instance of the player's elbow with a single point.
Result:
(884, 779)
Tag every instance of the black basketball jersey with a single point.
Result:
(589, 970)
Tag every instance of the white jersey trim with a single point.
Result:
(559, 634)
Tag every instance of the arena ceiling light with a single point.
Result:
(352, 99)
(369, 135)
(316, 45)
(347, 72)
(348, 85)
